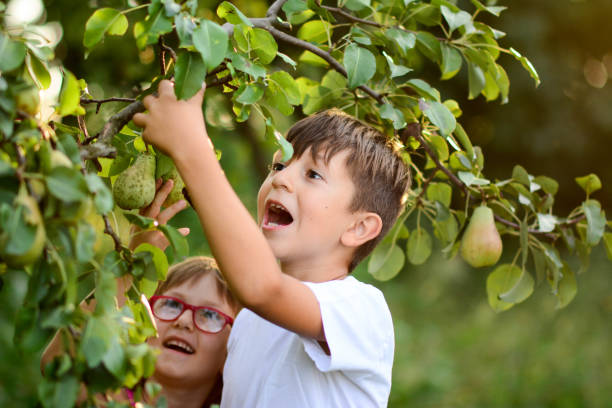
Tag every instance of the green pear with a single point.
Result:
(59, 159)
(481, 244)
(167, 170)
(135, 186)
(26, 217)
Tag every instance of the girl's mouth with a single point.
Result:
(180, 346)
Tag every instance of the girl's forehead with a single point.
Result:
(198, 291)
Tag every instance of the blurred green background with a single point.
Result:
(452, 350)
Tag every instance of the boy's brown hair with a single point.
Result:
(380, 175)
(196, 267)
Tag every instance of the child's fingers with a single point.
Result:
(158, 184)
(198, 98)
(171, 211)
(140, 119)
(184, 231)
(166, 87)
(160, 197)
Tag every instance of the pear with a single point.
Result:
(481, 244)
(167, 170)
(135, 186)
(59, 159)
(29, 218)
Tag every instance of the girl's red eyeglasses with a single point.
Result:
(206, 319)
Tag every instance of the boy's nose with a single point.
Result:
(282, 180)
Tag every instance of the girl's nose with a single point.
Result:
(185, 320)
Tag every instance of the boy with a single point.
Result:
(312, 335)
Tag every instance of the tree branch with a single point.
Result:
(108, 229)
(348, 16)
(280, 35)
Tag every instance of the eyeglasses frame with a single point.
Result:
(186, 306)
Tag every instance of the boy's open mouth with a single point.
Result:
(276, 216)
(179, 346)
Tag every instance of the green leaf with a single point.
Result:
(104, 21)
(439, 115)
(526, 64)
(115, 360)
(281, 142)
(70, 95)
(546, 222)
(244, 65)
(177, 241)
(231, 14)
(424, 89)
(38, 71)
(84, 243)
(19, 232)
(12, 53)
(451, 61)
(589, 183)
(96, 339)
(386, 261)
(250, 94)
(567, 287)
(458, 19)
(502, 280)
(521, 290)
(471, 180)
(596, 221)
(316, 31)
(148, 32)
(440, 192)
(189, 74)
(360, 65)
(608, 244)
(184, 28)
(171, 7)
(495, 10)
(476, 80)
(67, 184)
(396, 70)
(549, 185)
(404, 40)
(357, 5)
(211, 41)
(283, 92)
(520, 174)
(429, 46)
(263, 44)
(387, 111)
(419, 246)
(446, 228)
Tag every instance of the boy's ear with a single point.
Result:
(366, 226)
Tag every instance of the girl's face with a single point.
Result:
(189, 356)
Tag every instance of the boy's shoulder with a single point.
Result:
(351, 293)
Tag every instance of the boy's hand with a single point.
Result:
(157, 238)
(173, 126)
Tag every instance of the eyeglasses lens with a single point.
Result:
(209, 320)
(167, 309)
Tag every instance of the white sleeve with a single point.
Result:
(358, 329)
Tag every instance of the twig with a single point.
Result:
(109, 230)
(83, 127)
(439, 165)
(338, 10)
(275, 8)
(280, 35)
(99, 102)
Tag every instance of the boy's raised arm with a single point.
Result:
(243, 254)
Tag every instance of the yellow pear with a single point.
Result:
(481, 244)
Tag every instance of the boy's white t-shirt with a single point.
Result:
(268, 366)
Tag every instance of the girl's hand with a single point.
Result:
(173, 126)
(157, 238)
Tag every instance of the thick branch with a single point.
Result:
(275, 8)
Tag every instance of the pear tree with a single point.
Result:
(67, 191)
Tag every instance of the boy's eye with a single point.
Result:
(314, 175)
(277, 166)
